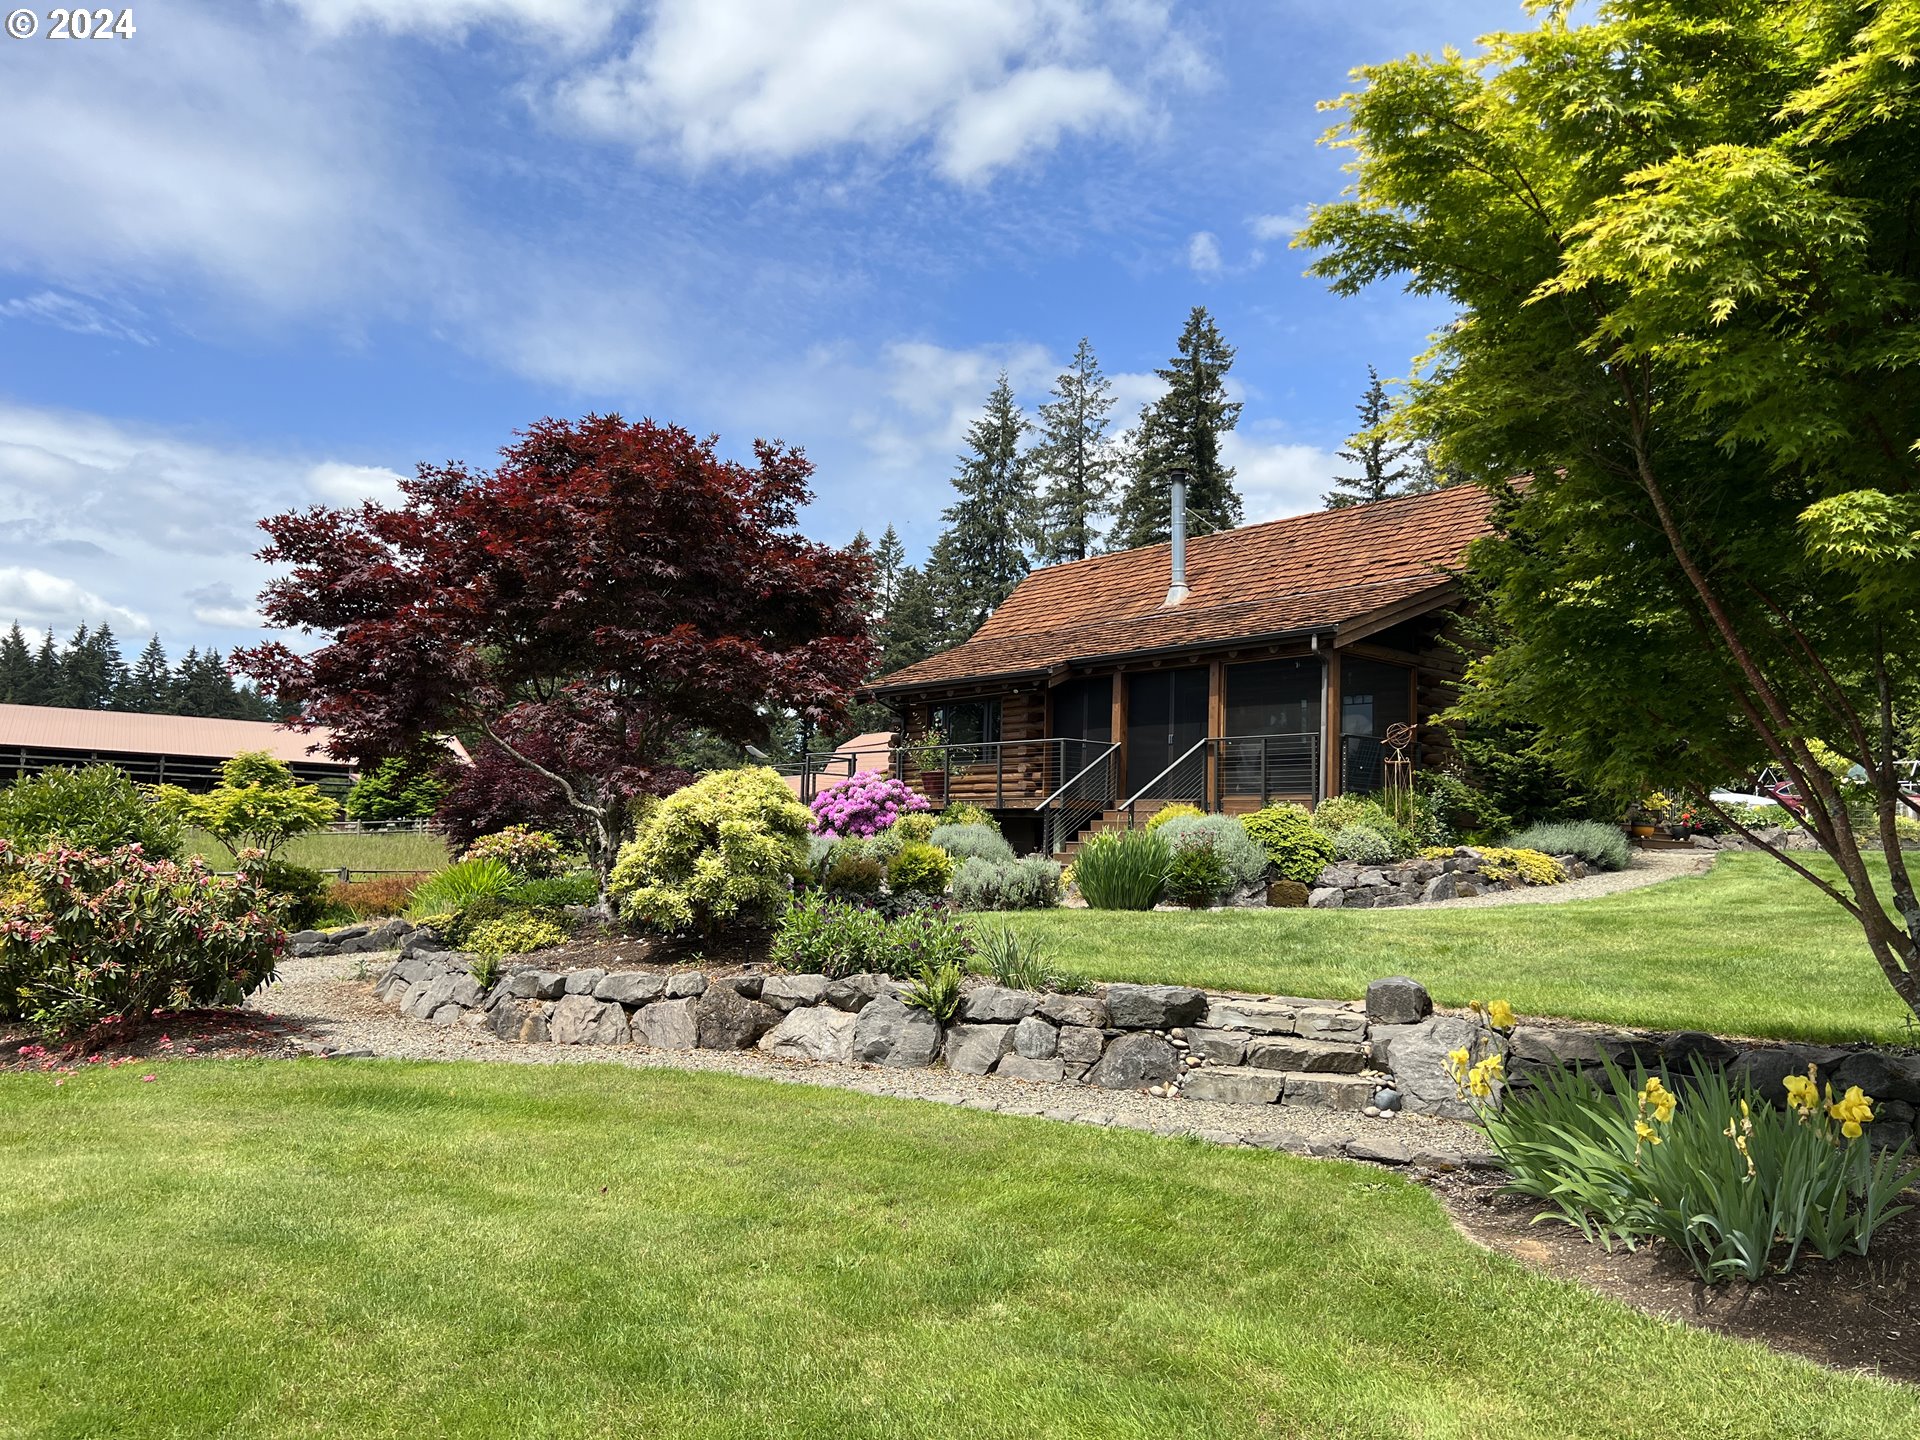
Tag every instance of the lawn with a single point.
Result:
(1749, 949)
(327, 850)
(380, 1248)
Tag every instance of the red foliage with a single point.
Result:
(608, 587)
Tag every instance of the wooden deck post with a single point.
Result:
(1216, 728)
(1330, 723)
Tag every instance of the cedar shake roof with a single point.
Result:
(1321, 572)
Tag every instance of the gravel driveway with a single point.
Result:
(331, 999)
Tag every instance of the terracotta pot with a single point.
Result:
(1644, 831)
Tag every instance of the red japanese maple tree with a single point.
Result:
(606, 588)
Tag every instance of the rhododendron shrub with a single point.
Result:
(530, 854)
(86, 937)
(863, 805)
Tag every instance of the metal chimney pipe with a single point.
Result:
(1177, 590)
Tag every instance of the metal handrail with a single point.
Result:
(1101, 758)
(1060, 823)
(1140, 794)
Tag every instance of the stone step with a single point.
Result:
(1317, 1057)
(1252, 1085)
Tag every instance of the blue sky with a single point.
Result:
(270, 254)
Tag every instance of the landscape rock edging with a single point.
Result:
(1382, 1055)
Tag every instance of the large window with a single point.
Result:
(1374, 696)
(965, 724)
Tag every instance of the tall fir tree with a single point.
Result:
(982, 553)
(889, 559)
(202, 686)
(91, 669)
(47, 688)
(914, 627)
(16, 669)
(1381, 460)
(1182, 430)
(148, 688)
(1073, 461)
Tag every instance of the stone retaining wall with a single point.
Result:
(1383, 1055)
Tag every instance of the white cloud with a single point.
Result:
(1278, 227)
(1278, 479)
(991, 129)
(65, 312)
(40, 601)
(338, 484)
(1203, 254)
(763, 81)
(578, 21)
(201, 150)
(148, 522)
(222, 607)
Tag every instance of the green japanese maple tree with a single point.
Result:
(1682, 242)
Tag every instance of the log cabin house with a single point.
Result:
(1259, 664)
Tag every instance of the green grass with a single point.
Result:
(1749, 949)
(375, 1248)
(329, 851)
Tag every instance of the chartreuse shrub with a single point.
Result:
(1594, 841)
(1737, 1187)
(918, 868)
(88, 938)
(1179, 810)
(824, 935)
(513, 932)
(724, 850)
(530, 854)
(1245, 862)
(1032, 883)
(1296, 848)
(1123, 870)
(971, 841)
(1530, 866)
(962, 812)
(97, 808)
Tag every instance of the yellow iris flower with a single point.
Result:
(1500, 1015)
(1852, 1110)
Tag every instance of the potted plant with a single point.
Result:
(1652, 810)
(927, 758)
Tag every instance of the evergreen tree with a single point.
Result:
(914, 627)
(91, 669)
(46, 688)
(981, 555)
(1380, 460)
(16, 668)
(148, 688)
(889, 559)
(1073, 461)
(1181, 431)
(202, 686)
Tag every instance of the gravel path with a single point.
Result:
(331, 999)
(1648, 867)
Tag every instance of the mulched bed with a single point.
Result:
(615, 951)
(175, 1035)
(1857, 1313)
